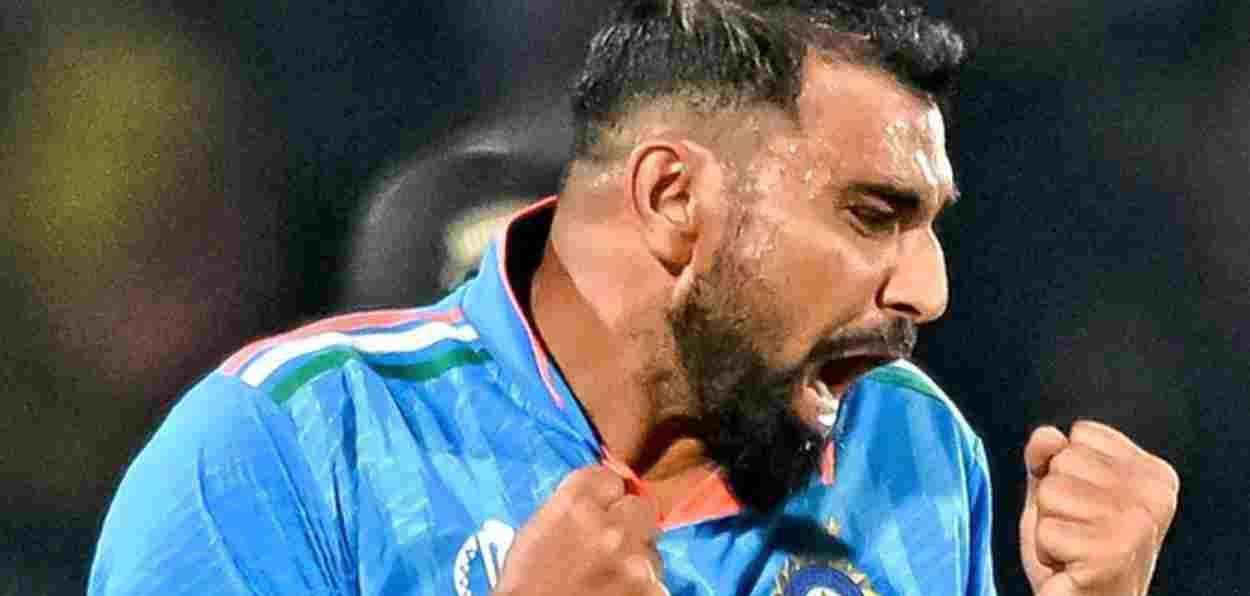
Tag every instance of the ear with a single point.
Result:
(661, 177)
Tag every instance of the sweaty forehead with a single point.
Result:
(842, 92)
(862, 118)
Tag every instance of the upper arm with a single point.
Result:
(221, 501)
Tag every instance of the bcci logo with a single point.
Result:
(827, 578)
(480, 560)
(822, 577)
(818, 580)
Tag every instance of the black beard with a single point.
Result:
(743, 408)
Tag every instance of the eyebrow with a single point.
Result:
(902, 194)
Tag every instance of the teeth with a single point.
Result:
(829, 403)
(822, 391)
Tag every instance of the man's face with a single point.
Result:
(826, 262)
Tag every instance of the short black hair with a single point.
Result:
(719, 54)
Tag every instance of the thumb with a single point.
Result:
(1041, 569)
(1059, 584)
(1045, 443)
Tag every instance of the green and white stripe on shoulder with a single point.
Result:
(369, 333)
(411, 340)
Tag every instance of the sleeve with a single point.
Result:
(221, 501)
(981, 511)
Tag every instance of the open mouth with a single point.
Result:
(828, 382)
(839, 373)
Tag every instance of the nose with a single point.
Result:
(916, 286)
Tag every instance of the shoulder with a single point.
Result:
(314, 392)
(899, 406)
(411, 345)
(916, 390)
(906, 375)
(247, 403)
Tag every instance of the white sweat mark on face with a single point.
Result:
(934, 120)
(937, 129)
(922, 161)
(896, 137)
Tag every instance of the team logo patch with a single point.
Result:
(816, 576)
(821, 581)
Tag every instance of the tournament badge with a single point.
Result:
(817, 576)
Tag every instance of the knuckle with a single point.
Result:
(599, 474)
(1142, 524)
(1049, 493)
(611, 539)
(1089, 426)
(574, 483)
(1138, 516)
(1065, 462)
(1100, 436)
(586, 480)
(640, 512)
(1169, 473)
(585, 518)
(1163, 510)
(1082, 428)
(630, 503)
(561, 506)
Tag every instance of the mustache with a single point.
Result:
(896, 337)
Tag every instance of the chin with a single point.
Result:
(766, 462)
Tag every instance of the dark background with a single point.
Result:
(177, 178)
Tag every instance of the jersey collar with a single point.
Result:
(492, 302)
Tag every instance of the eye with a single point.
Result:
(876, 220)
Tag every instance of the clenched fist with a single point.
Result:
(1097, 509)
(591, 538)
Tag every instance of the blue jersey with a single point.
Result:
(398, 453)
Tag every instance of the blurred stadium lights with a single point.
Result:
(99, 136)
(124, 236)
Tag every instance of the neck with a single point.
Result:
(603, 356)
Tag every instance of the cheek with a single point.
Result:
(821, 272)
(826, 278)
(813, 277)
